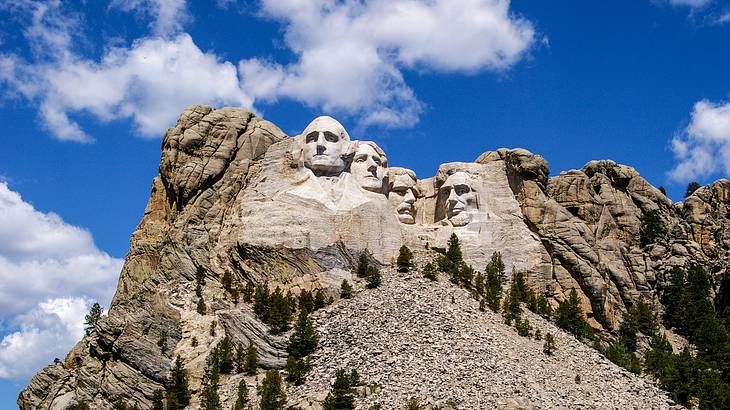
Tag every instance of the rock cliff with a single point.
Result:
(237, 197)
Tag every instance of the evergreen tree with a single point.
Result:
(362, 266)
(341, 395)
(429, 271)
(672, 298)
(404, 260)
(453, 251)
(691, 188)
(374, 278)
(157, 400)
(272, 392)
(523, 326)
(178, 396)
(92, 318)
(494, 280)
(511, 309)
(81, 405)
(306, 301)
(248, 292)
(222, 356)
(319, 300)
(240, 359)
(280, 311)
(652, 227)
(296, 369)
(227, 281)
(623, 357)
(261, 302)
(345, 290)
(209, 398)
(520, 284)
(549, 346)
(570, 316)
(241, 396)
(662, 190)
(303, 341)
(252, 360)
(200, 308)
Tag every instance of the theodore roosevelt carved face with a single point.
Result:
(461, 199)
(326, 144)
(368, 166)
(402, 193)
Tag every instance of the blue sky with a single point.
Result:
(89, 88)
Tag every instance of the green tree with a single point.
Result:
(81, 405)
(494, 280)
(319, 300)
(673, 298)
(341, 395)
(429, 271)
(227, 281)
(619, 354)
(157, 400)
(92, 318)
(209, 398)
(374, 278)
(223, 356)
(252, 360)
(652, 227)
(362, 266)
(178, 395)
(261, 302)
(241, 396)
(272, 392)
(296, 369)
(200, 308)
(345, 290)
(570, 317)
(303, 341)
(280, 311)
(691, 188)
(404, 260)
(549, 346)
(511, 309)
(306, 301)
(453, 251)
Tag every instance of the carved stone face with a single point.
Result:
(368, 168)
(402, 196)
(461, 198)
(325, 143)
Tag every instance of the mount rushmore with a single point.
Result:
(236, 196)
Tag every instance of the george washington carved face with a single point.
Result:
(325, 143)
(461, 199)
(402, 193)
(368, 166)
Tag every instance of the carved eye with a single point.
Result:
(331, 137)
(378, 161)
(461, 189)
(312, 137)
(361, 158)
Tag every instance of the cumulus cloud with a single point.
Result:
(350, 58)
(50, 272)
(690, 3)
(351, 54)
(703, 147)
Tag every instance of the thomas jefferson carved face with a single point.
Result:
(368, 166)
(325, 144)
(461, 198)
(402, 194)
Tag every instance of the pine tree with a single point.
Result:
(362, 266)
(319, 300)
(280, 311)
(200, 308)
(373, 278)
(303, 341)
(241, 396)
(82, 405)
(404, 259)
(494, 280)
(223, 356)
(672, 298)
(691, 188)
(261, 302)
(209, 398)
(511, 309)
(92, 318)
(453, 252)
(296, 369)
(549, 346)
(157, 400)
(227, 281)
(652, 227)
(248, 292)
(306, 301)
(178, 396)
(570, 316)
(272, 391)
(341, 395)
(429, 271)
(252, 360)
(345, 290)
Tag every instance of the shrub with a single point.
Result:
(691, 188)
(429, 271)
(296, 369)
(374, 278)
(549, 346)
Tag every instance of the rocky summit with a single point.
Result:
(237, 203)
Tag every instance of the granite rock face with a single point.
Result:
(236, 197)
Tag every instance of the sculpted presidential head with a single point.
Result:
(325, 146)
(461, 199)
(402, 193)
(368, 166)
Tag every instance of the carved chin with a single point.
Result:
(371, 184)
(460, 219)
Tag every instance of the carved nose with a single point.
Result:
(372, 167)
(409, 197)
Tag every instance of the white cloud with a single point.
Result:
(350, 58)
(690, 3)
(46, 332)
(351, 53)
(168, 16)
(47, 268)
(703, 148)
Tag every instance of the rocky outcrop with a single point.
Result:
(236, 197)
